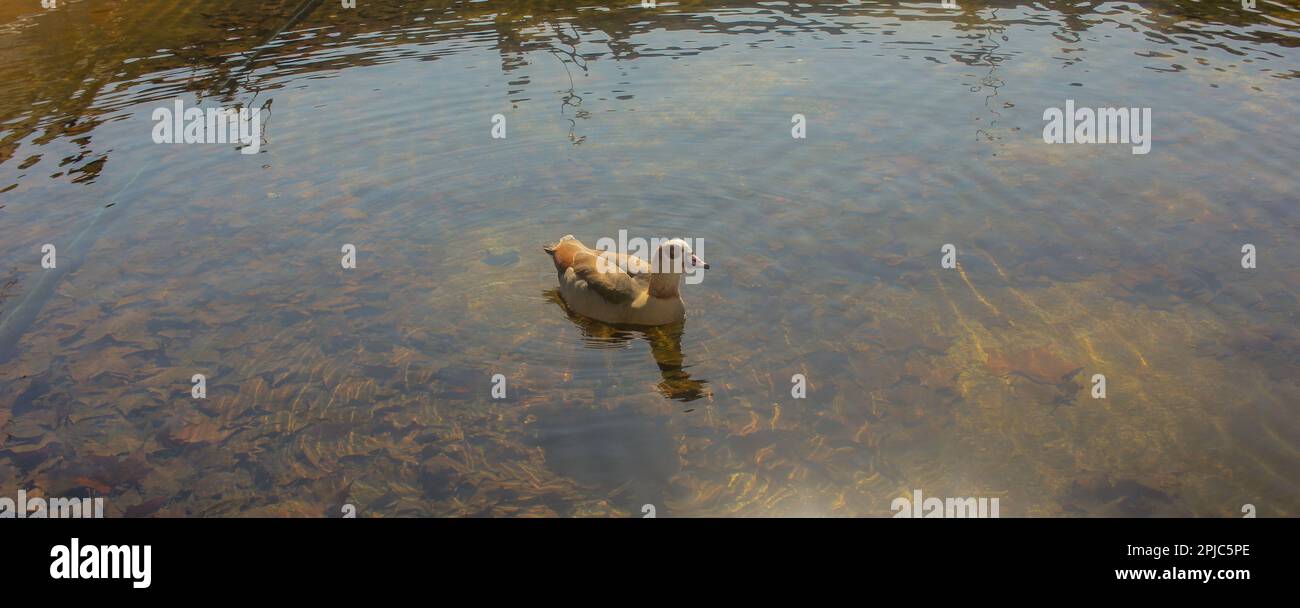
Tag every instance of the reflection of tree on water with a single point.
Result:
(665, 346)
(56, 75)
(987, 55)
(570, 98)
(63, 82)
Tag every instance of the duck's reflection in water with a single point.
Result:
(665, 345)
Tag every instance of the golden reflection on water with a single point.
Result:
(372, 386)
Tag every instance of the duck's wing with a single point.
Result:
(633, 265)
(606, 278)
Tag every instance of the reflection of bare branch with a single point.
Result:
(988, 54)
(304, 9)
(571, 98)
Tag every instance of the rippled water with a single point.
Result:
(372, 386)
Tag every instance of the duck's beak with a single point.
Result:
(698, 263)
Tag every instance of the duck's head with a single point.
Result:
(675, 256)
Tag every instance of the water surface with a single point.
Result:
(372, 386)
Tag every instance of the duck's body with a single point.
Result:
(644, 309)
(619, 288)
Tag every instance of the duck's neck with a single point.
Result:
(665, 284)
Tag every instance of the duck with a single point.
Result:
(620, 288)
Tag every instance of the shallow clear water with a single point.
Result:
(372, 386)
